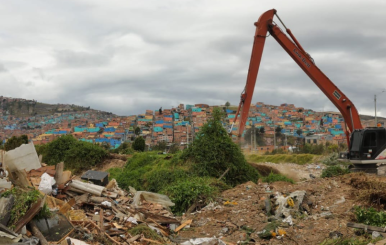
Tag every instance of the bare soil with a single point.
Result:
(327, 207)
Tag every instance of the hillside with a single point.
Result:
(25, 108)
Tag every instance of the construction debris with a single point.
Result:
(89, 212)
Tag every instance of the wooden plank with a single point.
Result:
(101, 219)
(188, 222)
(67, 206)
(59, 173)
(36, 232)
(366, 227)
(149, 240)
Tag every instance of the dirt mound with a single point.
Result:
(240, 214)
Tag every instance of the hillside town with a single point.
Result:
(176, 125)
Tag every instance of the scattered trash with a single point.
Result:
(46, 183)
(204, 241)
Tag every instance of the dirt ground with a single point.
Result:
(241, 213)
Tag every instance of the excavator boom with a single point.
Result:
(266, 25)
(366, 147)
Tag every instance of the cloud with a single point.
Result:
(129, 56)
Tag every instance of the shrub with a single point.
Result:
(15, 142)
(77, 155)
(332, 171)
(370, 216)
(84, 155)
(213, 152)
(331, 159)
(139, 144)
(124, 148)
(277, 177)
(56, 150)
(185, 193)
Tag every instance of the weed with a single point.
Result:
(331, 159)
(332, 171)
(146, 231)
(23, 201)
(370, 216)
(277, 177)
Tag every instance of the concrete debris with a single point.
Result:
(89, 212)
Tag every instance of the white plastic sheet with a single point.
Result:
(46, 183)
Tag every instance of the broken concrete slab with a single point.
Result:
(23, 157)
(152, 198)
(6, 204)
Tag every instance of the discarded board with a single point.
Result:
(188, 222)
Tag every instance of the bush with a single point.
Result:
(15, 142)
(370, 216)
(331, 159)
(139, 144)
(332, 171)
(84, 155)
(277, 177)
(189, 191)
(77, 155)
(124, 148)
(56, 150)
(213, 152)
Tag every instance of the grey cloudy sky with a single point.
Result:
(128, 56)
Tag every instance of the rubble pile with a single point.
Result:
(85, 209)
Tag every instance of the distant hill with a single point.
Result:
(25, 108)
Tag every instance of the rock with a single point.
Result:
(262, 215)
(224, 230)
(335, 235)
(243, 236)
(375, 234)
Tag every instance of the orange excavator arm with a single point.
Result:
(264, 25)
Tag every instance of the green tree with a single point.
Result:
(139, 144)
(227, 104)
(213, 152)
(137, 131)
(15, 142)
(56, 150)
(299, 132)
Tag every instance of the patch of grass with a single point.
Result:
(277, 177)
(370, 216)
(332, 171)
(300, 159)
(146, 231)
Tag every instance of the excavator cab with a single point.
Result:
(368, 145)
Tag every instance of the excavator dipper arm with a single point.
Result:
(264, 25)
